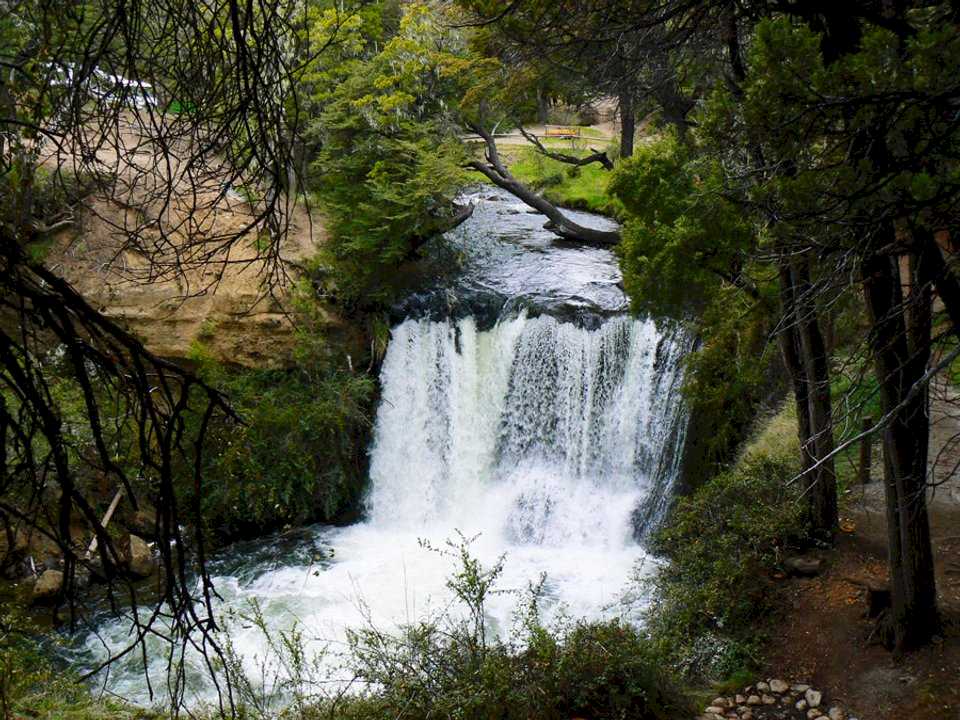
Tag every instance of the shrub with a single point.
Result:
(451, 667)
(299, 455)
(723, 541)
(30, 686)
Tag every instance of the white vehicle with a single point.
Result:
(136, 93)
(102, 85)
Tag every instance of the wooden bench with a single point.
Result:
(561, 131)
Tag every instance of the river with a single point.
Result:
(521, 407)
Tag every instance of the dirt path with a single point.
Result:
(824, 636)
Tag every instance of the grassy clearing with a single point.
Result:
(581, 188)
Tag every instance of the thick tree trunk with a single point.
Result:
(559, 223)
(628, 124)
(813, 353)
(790, 352)
(813, 423)
(901, 346)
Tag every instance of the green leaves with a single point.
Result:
(389, 165)
(682, 238)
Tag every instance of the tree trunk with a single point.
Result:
(543, 106)
(900, 341)
(628, 124)
(816, 489)
(790, 352)
(499, 175)
(813, 354)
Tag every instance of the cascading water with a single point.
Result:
(553, 443)
(537, 432)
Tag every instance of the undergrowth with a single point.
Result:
(723, 542)
(451, 666)
(32, 687)
(298, 455)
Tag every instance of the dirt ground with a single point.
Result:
(219, 294)
(825, 638)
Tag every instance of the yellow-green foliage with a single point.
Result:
(723, 541)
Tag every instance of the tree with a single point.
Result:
(157, 112)
(389, 164)
(684, 241)
(849, 149)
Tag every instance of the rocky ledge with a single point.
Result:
(775, 699)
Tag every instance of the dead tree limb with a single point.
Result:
(596, 156)
(495, 171)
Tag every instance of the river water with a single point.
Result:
(522, 407)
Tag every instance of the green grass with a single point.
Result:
(581, 188)
(855, 395)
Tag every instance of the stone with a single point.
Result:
(803, 566)
(721, 702)
(746, 714)
(768, 699)
(801, 705)
(47, 586)
(813, 697)
(779, 686)
(143, 522)
(714, 710)
(763, 687)
(836, 713)
(739, 699)
(753, 700)
(21, 543)
(800, 688)
(813, 713)
(140, 558)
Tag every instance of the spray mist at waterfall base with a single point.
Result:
(550, 445)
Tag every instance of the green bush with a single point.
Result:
(550, 180)
(451, 667)
(722, 542)
(31, 687)
(298, 456)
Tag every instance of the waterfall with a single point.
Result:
(552, 445)
(535, 431)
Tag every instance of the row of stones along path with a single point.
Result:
(775, 700)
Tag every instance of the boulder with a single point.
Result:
(803, 566)
(48, 586)
(779, 686)
(813, 698)
(139, 558)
